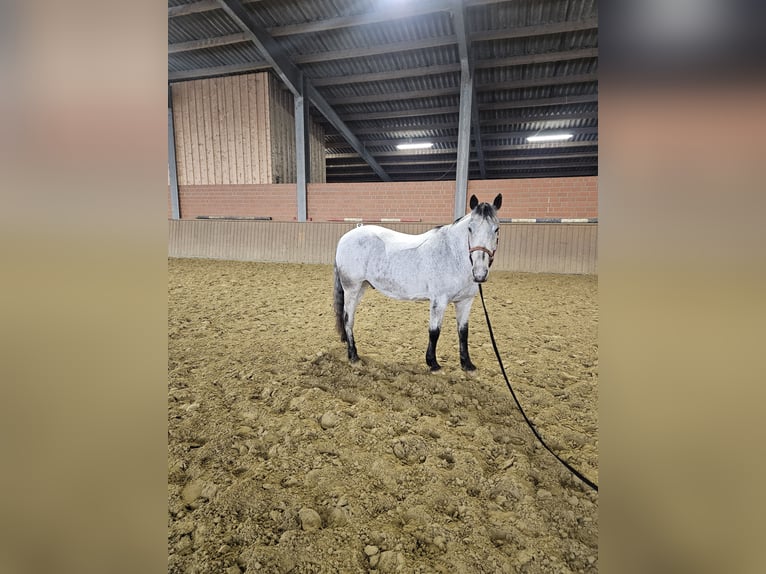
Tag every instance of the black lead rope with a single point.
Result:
(574, 471)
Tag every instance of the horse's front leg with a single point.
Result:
(438, 307)
(462, 312)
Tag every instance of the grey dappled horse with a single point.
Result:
(443, 265)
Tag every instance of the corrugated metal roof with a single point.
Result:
(391, 77)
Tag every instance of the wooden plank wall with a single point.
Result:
(283, 138)
(239, 130)
(534, 248)
(317, 153)
(282, 151)
(223, 130)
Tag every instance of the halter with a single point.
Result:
(485, 250)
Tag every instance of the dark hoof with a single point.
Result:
(435, 367)
(469, 367)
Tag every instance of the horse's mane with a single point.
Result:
(486, 209)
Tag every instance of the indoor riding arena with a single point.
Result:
(285, 125)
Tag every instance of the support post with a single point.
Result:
(302, 157)
(175, 204)
(463, 145)
(466, 112)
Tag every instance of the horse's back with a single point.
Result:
(375, 241)
(391, 238)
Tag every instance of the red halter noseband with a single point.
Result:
(485, 250)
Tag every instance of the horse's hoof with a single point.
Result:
(468, 368)
(435, 368)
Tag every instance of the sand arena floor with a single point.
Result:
(282, 457)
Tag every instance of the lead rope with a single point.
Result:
(571, 469)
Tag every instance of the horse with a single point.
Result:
(443, 265)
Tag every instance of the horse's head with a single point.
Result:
(483, 228)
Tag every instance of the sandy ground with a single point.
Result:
(282, 457)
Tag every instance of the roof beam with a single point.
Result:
(293, 77)
(536, 82)
(452, 68)
(512, 120)
(415, 176)
(555, 101)
(424, 7)
(193, 8)
(198, 73)
(487, 136)
(376, 50)
(451, 151)
(364, 78)
(404, 131)
(374, 17)
(208, 43)
(542, 157)
(373, 77)
(520, 32)
(382, 76)
(432, 161)
(536, 30)
(545, 58)
(414, 112)
(379, 16)
(552, 145)
(272, 51)
(509, 85)
(209, 5)
(348, 100)
(436, 169)
(513, 104)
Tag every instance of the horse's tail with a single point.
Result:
(338, 304)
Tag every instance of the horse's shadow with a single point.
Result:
(330, 369)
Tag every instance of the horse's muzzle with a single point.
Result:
(482, 280)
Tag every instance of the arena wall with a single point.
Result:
(526, 247)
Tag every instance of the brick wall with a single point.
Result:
(541, 197)
(431, 202)
(275, 200)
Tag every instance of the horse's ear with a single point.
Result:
(498, 201)
(473, 202)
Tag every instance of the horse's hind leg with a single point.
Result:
(352, 295)
(434, 329)
(462, 312)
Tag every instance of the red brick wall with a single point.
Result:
(275, 200)
(431, 202)
(541, 197)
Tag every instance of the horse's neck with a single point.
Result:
(458, 236)
(460, 231)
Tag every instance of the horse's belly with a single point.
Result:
(412, 285)
(407, 291)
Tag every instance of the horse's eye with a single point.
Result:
(470, 230)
